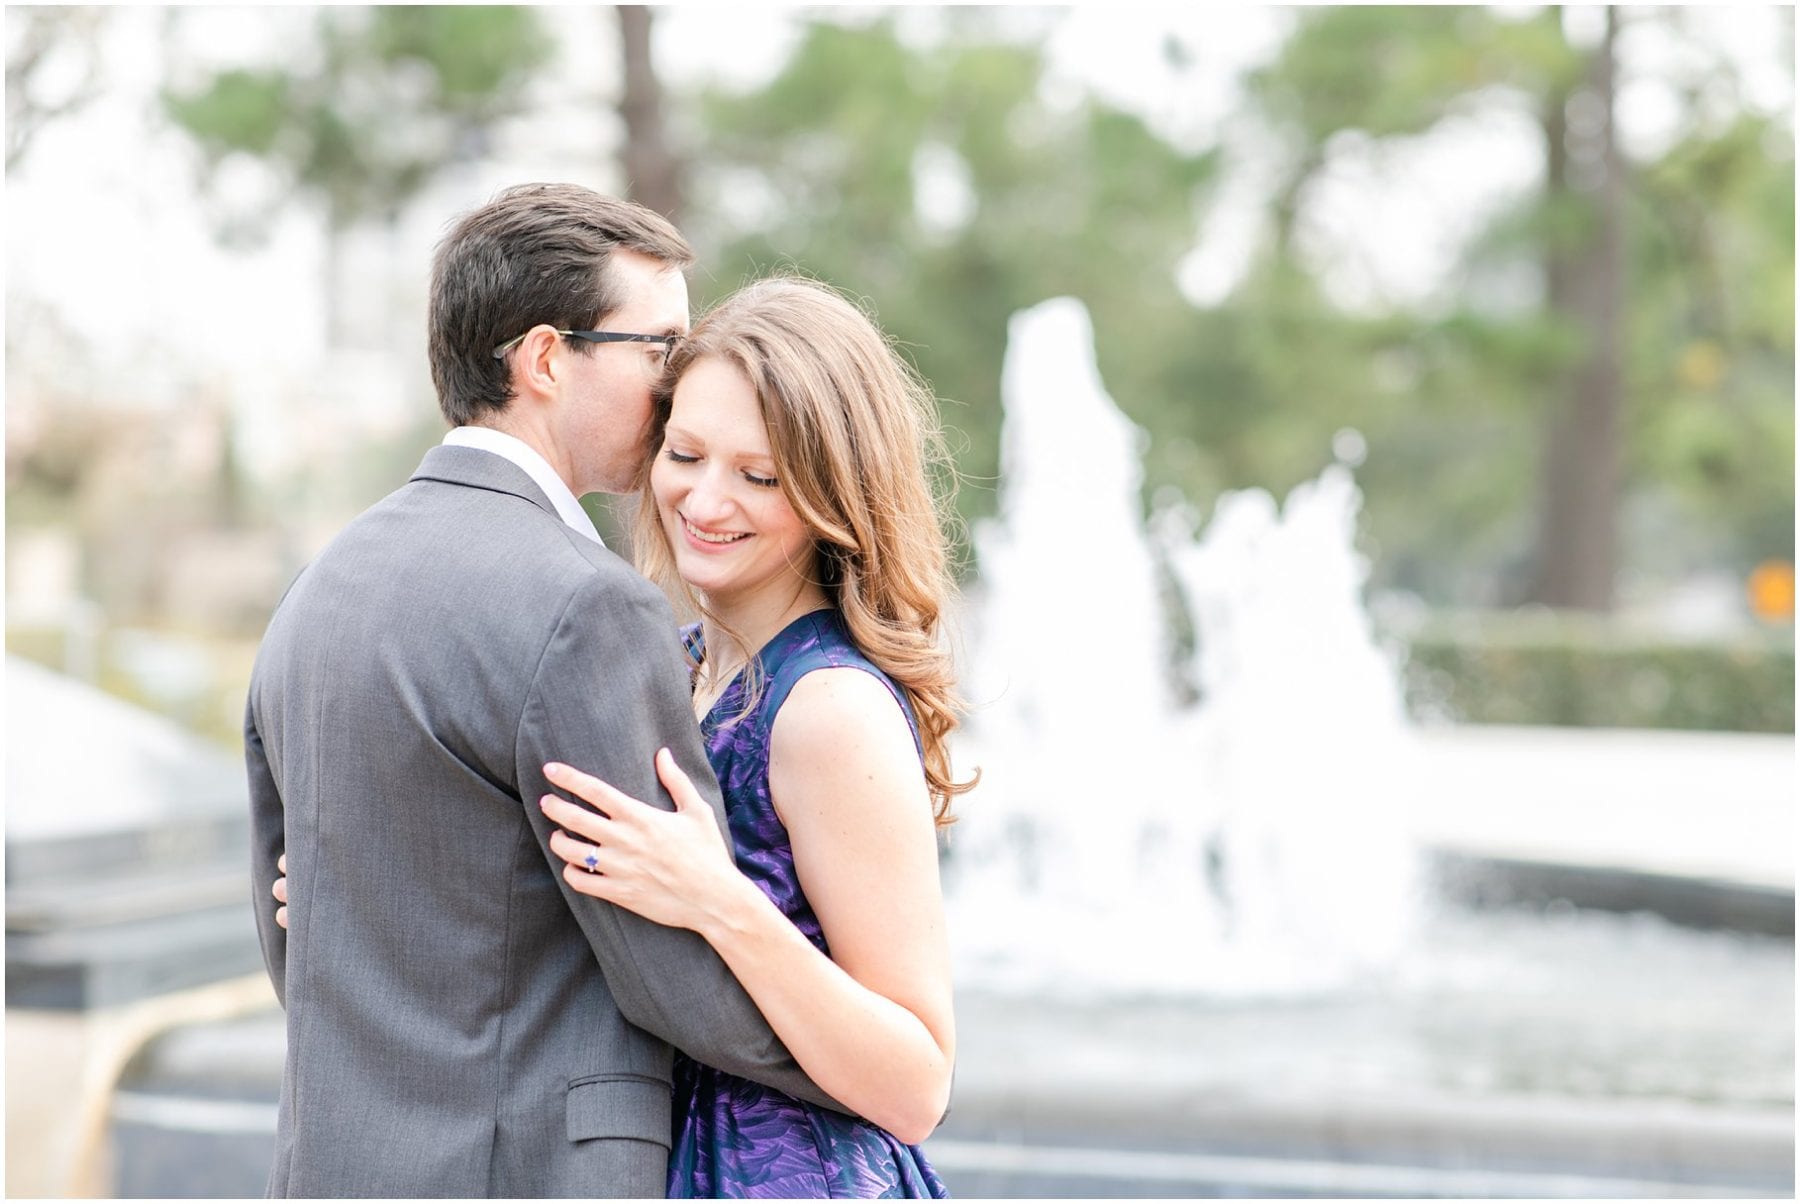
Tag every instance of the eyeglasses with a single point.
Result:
(668, 341)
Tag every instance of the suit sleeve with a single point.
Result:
(267, 838)
(609, 691)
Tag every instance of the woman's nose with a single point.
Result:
(707, 499)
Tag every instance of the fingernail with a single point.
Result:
(545, 802)
(555, 769)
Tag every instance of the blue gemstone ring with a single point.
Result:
(592, 862)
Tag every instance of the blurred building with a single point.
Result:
(127, 911)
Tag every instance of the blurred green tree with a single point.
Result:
(1712, 338)
(1645, 307)
(1649, 397)
(938, 185)
(361, 121)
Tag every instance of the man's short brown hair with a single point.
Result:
(535, 253)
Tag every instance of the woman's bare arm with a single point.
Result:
(872, 1024)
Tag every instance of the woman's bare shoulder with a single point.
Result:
(841, 729)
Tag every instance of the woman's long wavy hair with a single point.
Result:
(854, 434)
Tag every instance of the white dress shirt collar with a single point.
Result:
(510, 447)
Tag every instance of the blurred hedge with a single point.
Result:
(1580, 671)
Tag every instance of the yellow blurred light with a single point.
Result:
(1702, 365)
(1771, 590)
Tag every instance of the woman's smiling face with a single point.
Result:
(732, 531)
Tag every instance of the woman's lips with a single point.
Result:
(710, 541)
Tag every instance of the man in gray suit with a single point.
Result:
(460, 1022)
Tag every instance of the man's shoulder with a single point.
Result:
(611, 583)
(437, 517)
(439, 536)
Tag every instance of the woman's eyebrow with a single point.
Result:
(672, 431)
(676, 430)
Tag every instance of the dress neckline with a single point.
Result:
(696, 644)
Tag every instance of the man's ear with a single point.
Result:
(537, 362)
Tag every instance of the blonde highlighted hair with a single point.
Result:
(854, 434)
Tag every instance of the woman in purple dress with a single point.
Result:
(789, 501)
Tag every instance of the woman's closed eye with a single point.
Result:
(761, 482)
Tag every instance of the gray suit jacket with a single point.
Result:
(460, 1022)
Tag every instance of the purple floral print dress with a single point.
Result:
(734, 1138)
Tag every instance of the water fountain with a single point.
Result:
(1203, 929)
(1254, 842)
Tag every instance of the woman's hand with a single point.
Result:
(280, 890)
(668, 866)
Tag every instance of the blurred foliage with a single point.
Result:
(948, 182)
(52, 69)
(824, 170)
(1446, 396)
(837, 167)
(1394, 70)
(1708, 429)
(1712, 332)
(364, 118)
(1566, 669)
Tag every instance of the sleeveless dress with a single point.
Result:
(734, 1138)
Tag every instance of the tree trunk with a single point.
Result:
(652, 173)
(1577, 550)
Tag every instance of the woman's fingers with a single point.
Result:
(575, 852)
(279, 890)
(678, 784)
(586, 868)
(597, 885)
(587, 786)
(578, 820)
